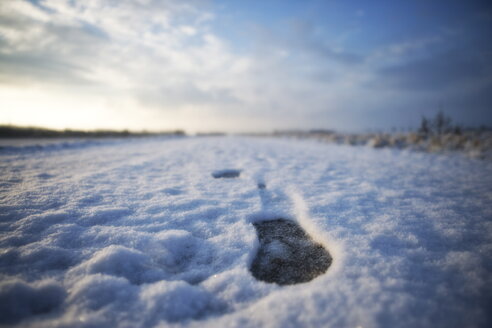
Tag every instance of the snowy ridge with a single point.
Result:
(28, 145)
(141, 234)
(36, 145)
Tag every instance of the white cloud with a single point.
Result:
(157, 63)
(161, 49)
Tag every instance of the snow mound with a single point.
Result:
(177, 301)
(19, 300)
(123, 262)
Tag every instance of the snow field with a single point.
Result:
(139, 234)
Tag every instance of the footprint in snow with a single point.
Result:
(228, 173)
(287, 255)
(45, 176)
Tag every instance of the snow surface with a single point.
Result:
(138, 233)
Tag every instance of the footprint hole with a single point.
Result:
(287, 254)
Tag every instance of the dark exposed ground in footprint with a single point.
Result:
(287, 255)
(230, 173)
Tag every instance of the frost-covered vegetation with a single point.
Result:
(139, 233)
(436, 135)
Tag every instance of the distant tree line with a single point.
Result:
(12, 131)
(440, 124)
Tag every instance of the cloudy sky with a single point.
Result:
(244, 65)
